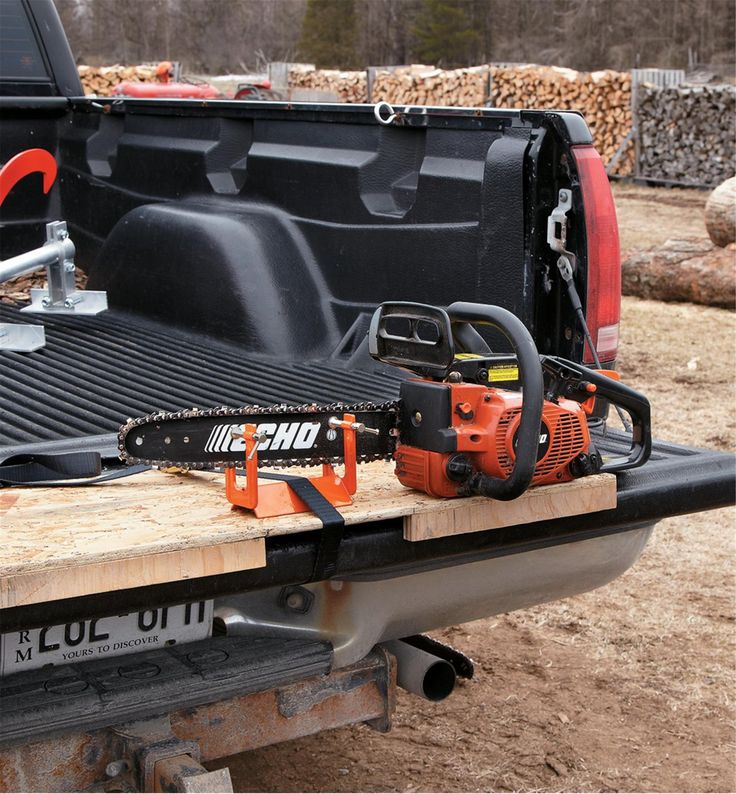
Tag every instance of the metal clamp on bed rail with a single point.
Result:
(60, 297)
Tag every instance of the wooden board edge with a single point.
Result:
(120, 574)
(587, 495)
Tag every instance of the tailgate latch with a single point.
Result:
(557, 241)
(557, 231)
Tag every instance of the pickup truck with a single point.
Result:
(243, 248)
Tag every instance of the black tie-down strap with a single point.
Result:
(70, 469)
(325, 566)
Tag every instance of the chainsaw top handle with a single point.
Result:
(424, 339)
(530, 375)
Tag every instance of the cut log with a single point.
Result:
(720, 213)
(689, 270)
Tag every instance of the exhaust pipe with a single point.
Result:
(420, 672)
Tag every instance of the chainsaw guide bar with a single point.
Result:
(296, 435)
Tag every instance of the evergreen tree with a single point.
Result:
(328, 34)
(446, 33)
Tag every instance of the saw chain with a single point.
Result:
(291, 435)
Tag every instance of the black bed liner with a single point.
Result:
(96, 372)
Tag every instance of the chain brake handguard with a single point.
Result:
(424, 339)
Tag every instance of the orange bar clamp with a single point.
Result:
(277, 498)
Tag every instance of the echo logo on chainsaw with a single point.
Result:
(284, 436)
(544, 440)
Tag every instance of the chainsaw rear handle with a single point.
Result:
(530, 371)
(634, 403)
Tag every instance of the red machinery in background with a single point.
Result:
(166, 87)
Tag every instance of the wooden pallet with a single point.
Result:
(158, 527)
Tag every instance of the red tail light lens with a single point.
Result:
(603, 304)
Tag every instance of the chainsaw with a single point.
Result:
(470, 423)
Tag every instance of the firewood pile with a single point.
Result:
(100, 81)
(686, 133)
(348, 86)
(425, 85)
(406, 85)
(604, 99)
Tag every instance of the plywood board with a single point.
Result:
(35, 587)
(157, 527)
(146, 529)
(588, 495)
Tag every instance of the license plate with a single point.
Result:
(98, 638)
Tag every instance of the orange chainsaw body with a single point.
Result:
(484, 422)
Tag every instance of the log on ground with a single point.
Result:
(690, 270)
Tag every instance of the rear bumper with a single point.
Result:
(268, 645)
(354, 615)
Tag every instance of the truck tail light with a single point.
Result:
(603, 304)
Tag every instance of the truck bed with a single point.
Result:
(95, 372)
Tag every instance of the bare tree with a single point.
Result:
(214, 36)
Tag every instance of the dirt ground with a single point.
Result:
(627, 688)
(649, 216)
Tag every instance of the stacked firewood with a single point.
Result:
(425, 85)
(346, 86)
(604, 99)
(686, 133)
(100, 81)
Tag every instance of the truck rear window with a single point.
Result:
(20, 55)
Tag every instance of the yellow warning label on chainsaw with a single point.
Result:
(503, 373)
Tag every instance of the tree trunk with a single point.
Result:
(695, 271)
